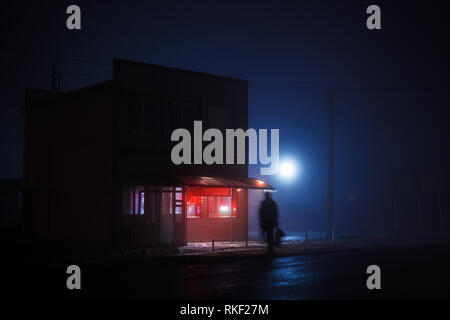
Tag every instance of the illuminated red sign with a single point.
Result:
(205, 191)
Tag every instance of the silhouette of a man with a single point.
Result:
(268, 219)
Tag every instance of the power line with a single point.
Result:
(78, 60)
(343, 88)
(251, 82)
(280, 85)
(87, 75)
(294, 126)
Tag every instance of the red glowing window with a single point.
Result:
(194, 206)
(219, 207)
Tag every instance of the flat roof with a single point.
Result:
(57, 96)
(202, 181)
(119, 61)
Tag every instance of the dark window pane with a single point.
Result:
(134, 116)
(184, 114)
(151, 118)
(219, 118)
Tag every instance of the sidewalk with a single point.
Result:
(227, 250)
(205, 252)
(294, 245)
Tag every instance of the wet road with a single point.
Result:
(406, 272)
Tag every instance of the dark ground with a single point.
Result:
(407, 271)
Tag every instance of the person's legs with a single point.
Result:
(263, 234)
(269, 235)
(278, 235)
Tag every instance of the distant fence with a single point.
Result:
(421, 202)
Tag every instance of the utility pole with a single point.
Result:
(419, 203)
(50, 162)
(53, 78)
(395, 199)
(440, 188)
(330, 227)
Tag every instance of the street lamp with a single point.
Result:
(288, 169)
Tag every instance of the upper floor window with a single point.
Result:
(183, 114)
(219, 118)
(146, 116)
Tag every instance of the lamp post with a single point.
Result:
(330, 228)
(288, 169)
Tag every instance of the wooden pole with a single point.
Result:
(53, 78)
(441, 212)
(419, 205)
(330, 96)
(395, 199)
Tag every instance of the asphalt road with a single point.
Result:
(406, 272)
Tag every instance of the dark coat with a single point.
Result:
(268, 214)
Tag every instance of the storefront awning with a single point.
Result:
(244, 183)
(200, 181)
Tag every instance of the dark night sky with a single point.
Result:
(391, 84)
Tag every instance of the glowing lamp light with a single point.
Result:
(260, 182)
(223, 209)
(288, 169)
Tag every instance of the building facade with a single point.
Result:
(98, 169)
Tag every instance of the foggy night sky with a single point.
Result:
(391, 84)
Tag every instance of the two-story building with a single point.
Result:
(97, 161)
